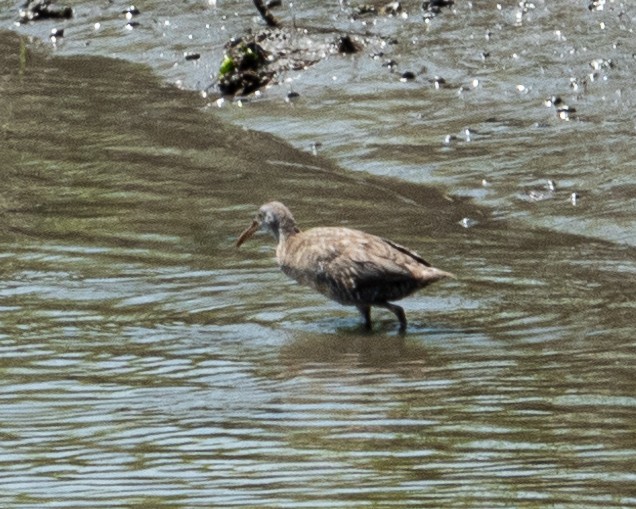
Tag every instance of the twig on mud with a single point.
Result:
(266, 15)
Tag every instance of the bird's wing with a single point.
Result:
(376, 261)
(407, 252)
(352, 266)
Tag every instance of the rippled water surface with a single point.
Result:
(146, 363)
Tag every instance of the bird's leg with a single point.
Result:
(397, 311)
(365, 311)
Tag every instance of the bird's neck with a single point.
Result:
(285, 232)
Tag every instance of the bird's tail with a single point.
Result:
(431, 274)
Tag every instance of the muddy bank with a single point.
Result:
(489, 101)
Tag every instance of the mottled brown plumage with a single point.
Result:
(349, 266)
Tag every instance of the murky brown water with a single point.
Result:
(146, 363)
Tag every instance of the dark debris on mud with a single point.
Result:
(34, 10)
(252, 61)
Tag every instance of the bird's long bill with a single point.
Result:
(247, 233)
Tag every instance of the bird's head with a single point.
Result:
(273, 217)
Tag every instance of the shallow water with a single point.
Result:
(147, 363)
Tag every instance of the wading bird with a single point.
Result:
(349, 266)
